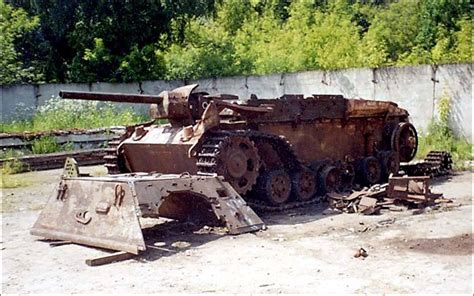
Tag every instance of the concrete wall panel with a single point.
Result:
(266, 87)
(415, 88)
(121, 88)
(455, 82)
(17, 102)
(156, 87)
(411, 88)
(49, 91)
(226, 85)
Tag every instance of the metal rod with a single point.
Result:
(111, 97)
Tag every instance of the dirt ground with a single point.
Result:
(302, 251)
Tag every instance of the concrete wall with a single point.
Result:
(416, 88)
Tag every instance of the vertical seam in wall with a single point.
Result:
(434, 69)
(37, 95)
(282, 83)
(374, 82)
(214, 84)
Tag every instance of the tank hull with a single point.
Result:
(277, 150)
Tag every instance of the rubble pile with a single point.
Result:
(399, 192)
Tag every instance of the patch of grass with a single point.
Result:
(45, 145)
(70, 114)
(11, 167)
(9, 181)
(69, 146)
(11, 153)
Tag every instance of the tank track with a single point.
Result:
(440, 160)
(435, 163)
(210, 149)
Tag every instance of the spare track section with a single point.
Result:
(435, 163)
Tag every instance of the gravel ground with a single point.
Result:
(302, 251)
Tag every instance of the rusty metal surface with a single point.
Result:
(111, 97)
(92, 213)
(105, 211)
(290, 133)
(414, 189)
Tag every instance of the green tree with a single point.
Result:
(13, 24)
(102, 40)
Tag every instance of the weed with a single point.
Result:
(69, 146)
(11, 153)
(13, 166)
(45, 145)
(10, 167)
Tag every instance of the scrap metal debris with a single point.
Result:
(106, 211)
(399, 191)
(436, 163)
(361, 253)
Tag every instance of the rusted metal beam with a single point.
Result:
(111, 97)
(56, 160)
(77, 137)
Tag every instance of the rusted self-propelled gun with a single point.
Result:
(217, 154)
(274, 152)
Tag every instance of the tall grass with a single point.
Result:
(70, 114)
(45, 145)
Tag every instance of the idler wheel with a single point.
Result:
(369, 170)
(404, 141)
(276, 187)
(329, 179)
(239, 163)
(390, 163)
(304, 184)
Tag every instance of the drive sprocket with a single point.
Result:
(234, 157)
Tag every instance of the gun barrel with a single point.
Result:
(111, 97)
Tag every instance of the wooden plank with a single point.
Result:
(119, 256)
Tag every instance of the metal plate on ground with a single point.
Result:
(95, 213)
